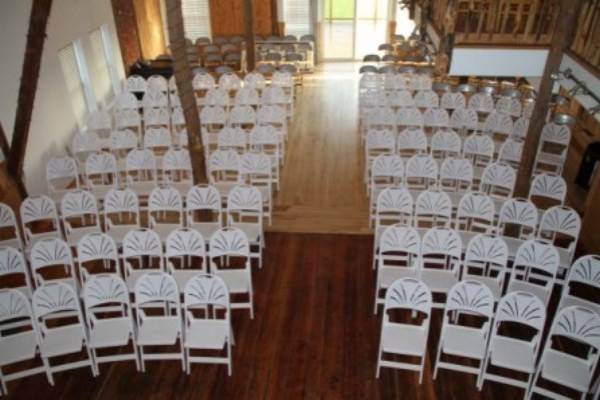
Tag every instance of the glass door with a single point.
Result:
(353, 28)
(338, 29)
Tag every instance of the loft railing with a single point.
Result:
(514, 23)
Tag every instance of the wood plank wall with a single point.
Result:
(150, 28)
(227, 17)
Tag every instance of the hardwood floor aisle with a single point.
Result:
(321, 182)
(314, 336)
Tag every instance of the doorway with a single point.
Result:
(353, 28)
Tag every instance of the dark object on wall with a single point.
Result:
(589, 166)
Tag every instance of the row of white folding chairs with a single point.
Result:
(414, 82)
(52, 325)
(121, 213)
(254, 80)
(497, 179)
(270, 95)
(476, 212)
(436, 256)
(488, 341)
(479, 102)
(187, 252)
(463, 120)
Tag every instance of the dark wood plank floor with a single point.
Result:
(314, 336)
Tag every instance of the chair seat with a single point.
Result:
(206, 229)
(18, 347)
(36, 237)
(404, 339)
(523, 286)
(159, 331)
(549, 158)
(567, 370)
(62, 340)
(494, 284)
(118, 232)
(237, 280)
(77, 233)
(134, 274)
(164, 229)
(464, 341)
(439, 280)
(182, 276)
(110, 332)
(14, 242)
(387, 275)
(206, 334)
(513, 354)
(252, 231)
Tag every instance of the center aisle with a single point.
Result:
(321, 183)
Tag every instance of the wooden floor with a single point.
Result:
(314, 336)
(321, 182)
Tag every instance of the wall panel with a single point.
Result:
(227, 17)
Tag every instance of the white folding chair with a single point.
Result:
(483, 103)
(479, 149)
(377, 142)
(534, 269)
(466, 328)
(129, 119)
(570, 355)
(510, 106)
(9, 228)
(61, 328)
(421, 172)
(547, 190)
(433, 208)
(224, 171)
(407, 117)
(245, 212)
(185, 255)
(464, 120)
(121, 143)
(397, 256)
(204, 201)
(439, 269)
(84, 144)
(486, 261)
(386, 170)
(121, 213)
(156, 117)
(94, 250)
(177, 170)
(158, 317)
(561, 226)
(140, 171)
(109, 318)
(510, 152)
(519, 218)
(207, 321)
(212, 120)
(257, 171)
(142, 253)
(18, 338)
(427, 99)
(62, 175)
(230, 138)
(453, 101)
(165, 211)
(135, 83)
(243, 117)
(39, 220)
(498, 181)
(228, 248)
(475, 214)
(14, 273)
(51, 261)
(405, 338)
(79, 212)
(445, 143)
(583, 280)
(247, 96)
(456, 175)
(552, 150)
(101, 174)
(516, 339)
(411, 141)
(435, 118)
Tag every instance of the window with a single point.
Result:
(196, 18)
(99, 69)
(73, 71)
(296, 16)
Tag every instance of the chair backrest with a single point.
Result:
(422, 168)
(482, 102)
(548, 186)
(213, 115)
(470, 297)
(559, 222)
(203, 81)
(400, 98)
(14, 305)
(154, 98)
(456, 174)
(476, 212)
(436, 118)
(185, 242)
(85, 143)
(232, 138)
(498, 179)
(205, 290)
(223, 160)
(518, 212)
(412, 141)
(487, 250)
(154, 287)
(523, 308)
(245, 199)
(453, 101)
(157, 137)
(230, 81)
(97, 246)
(101, 164)
(520, 128)
(479, 147)
(427, 99)
(105, 289)
(440, 241)
(203, 197)
(579, 324)
(156, 116)
(511, 151)
(55, 298)
(79, 203)
(142, 242)
(165, 198)
(128, 118)
(497, 122)
(8, 219)
(254, 80)
(380, 140)
(51, 252)
(447, 142)
(394, 203)
(242, 115)
(464, 118)
(119, 201)
(61, 169)
(586, 270)
(433, 208)
(229, 242)
(135, 83)
(509, 105)
(535, 266)
(140, 160)
(408, 293)
(390, 166)
(12, 262)
(409, 116)
(217, 97)
(256, 166)
(38, 208)
(176, 160)
(400, 238)
(124, 139)
(99, 120)
(557, 134)
(126, 101)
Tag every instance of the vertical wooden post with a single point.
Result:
(36, 34)
(249, 30)
(127, 32)
(183, 79)
(563, 34)
(4, 144)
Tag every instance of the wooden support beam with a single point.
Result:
(249, 30)
(4, 144)
(563, 34)
(34, 47)
(183, 79)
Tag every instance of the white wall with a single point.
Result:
(498, 62)
(53, 121)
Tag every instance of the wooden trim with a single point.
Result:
(501, 46)
(34, 48)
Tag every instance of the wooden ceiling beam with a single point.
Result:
(36, 35)
(563, 35)
(183, 79)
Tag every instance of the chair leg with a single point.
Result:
(48, 370)
(229, 366)
(4, 390)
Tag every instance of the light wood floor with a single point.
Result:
(321, 182)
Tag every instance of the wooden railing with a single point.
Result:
(586, 43)
(514, 23)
